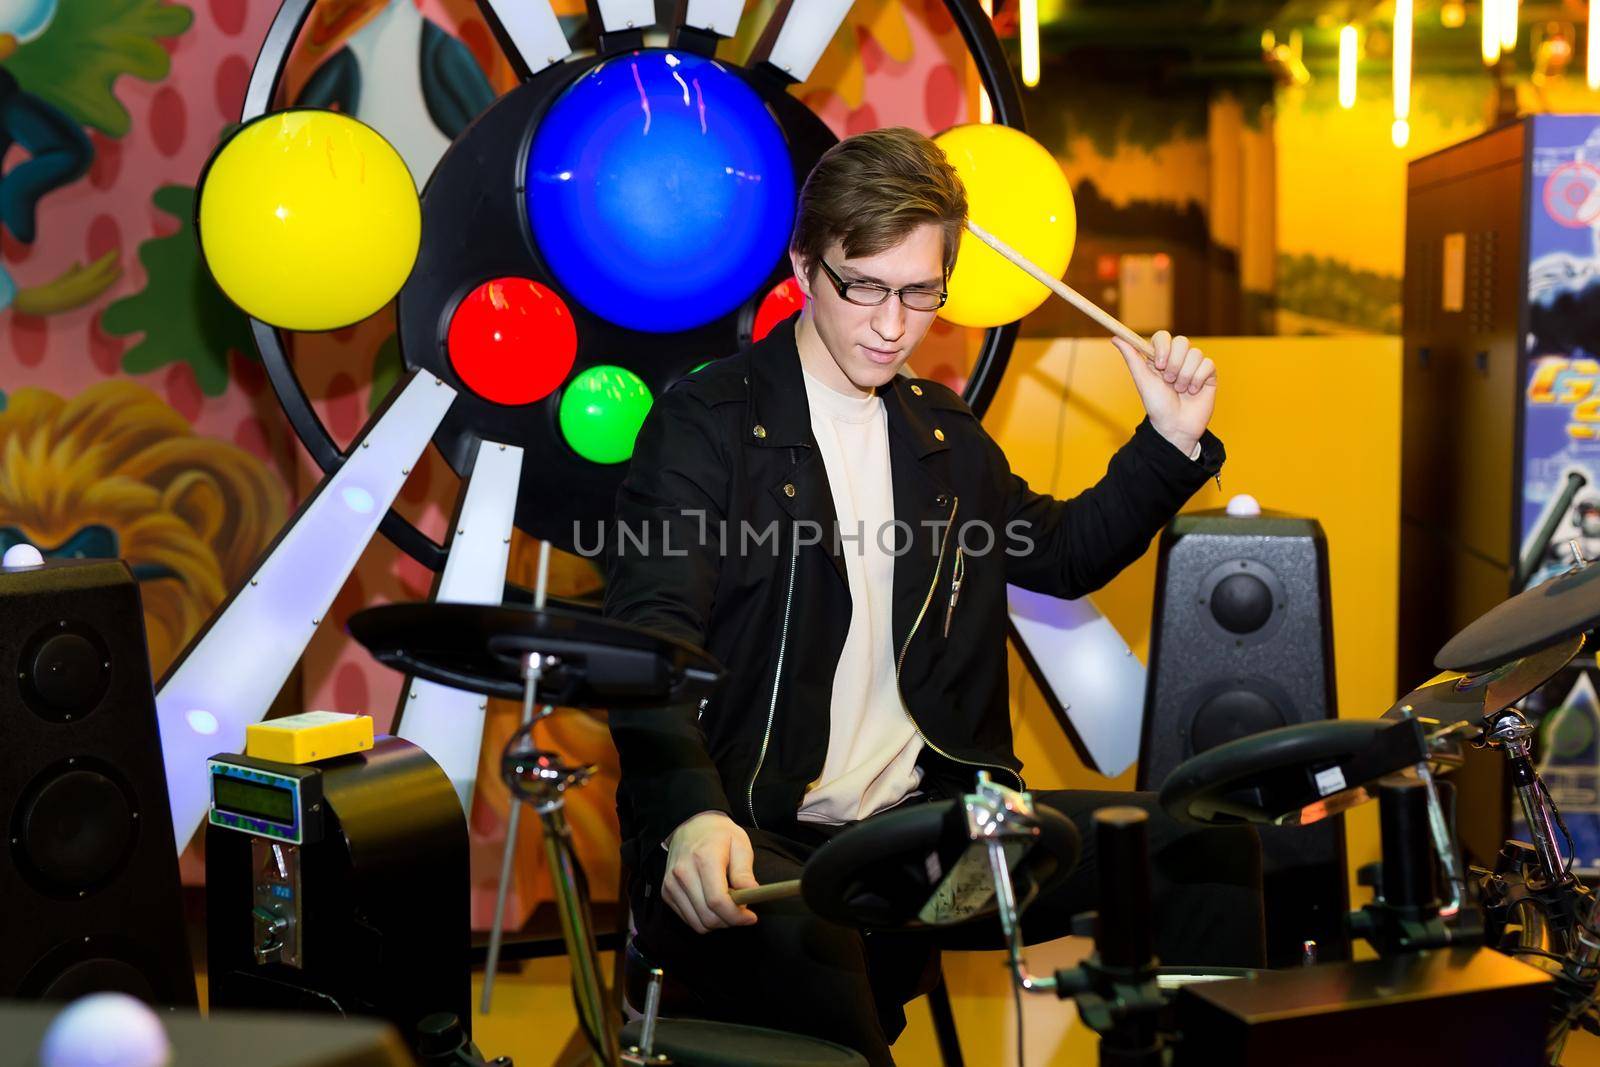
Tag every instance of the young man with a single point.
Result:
(840, 537)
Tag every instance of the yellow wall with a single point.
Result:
(1312, 426)
(1342, 182)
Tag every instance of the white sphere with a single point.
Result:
(1244, 506)
(21, 555)
(106, 1030)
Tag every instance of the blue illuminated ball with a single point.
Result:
(660, 190)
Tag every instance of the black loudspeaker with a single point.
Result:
(89, 878)
(1242, 641)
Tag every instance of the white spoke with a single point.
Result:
(1082, 663)
(448, 723)
(618, 15)
(720, 17)
(230, 674)
(529, 33)
(799, 31)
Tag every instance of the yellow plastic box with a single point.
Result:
(309, 736)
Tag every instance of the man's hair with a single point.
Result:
(870, 191)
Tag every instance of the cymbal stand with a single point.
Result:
(1511, 731)
(1115, 990)
(1574, 912)
(541, 777)
(532, 669)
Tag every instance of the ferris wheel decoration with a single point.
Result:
(608, 226)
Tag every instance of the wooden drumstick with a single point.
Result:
(1063, 290)
(763, 893)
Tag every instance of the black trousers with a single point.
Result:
(793, 971)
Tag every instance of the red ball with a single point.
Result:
(784, 300)
(512, 341)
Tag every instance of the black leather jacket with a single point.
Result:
(728, 497)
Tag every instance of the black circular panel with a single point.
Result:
(1242, 603)
(1232, 714)
(98, 975)
(101, 963)
(63, 671)
(75, 830)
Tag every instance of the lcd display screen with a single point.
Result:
(253, 798)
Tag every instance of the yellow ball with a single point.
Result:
(309, 220)
(1016, 191)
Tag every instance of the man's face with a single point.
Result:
(871, 343)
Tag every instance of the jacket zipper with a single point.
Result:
(957, 572)
(900, 662)
(777, 676)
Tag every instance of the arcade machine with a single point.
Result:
(336, 876)
(1501, 434)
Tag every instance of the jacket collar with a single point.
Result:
(781, 418)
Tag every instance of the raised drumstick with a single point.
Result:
(763, 893)
(1063, 290)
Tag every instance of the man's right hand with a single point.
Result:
(705, 855)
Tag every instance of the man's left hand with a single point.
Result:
(1178, 388)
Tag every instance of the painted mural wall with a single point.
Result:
(135, 418)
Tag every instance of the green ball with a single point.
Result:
(601, 412)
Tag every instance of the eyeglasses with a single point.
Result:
(871, 294)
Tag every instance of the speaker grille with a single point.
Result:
(63, 671)
(75, 828)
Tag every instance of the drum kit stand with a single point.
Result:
(1000, 850)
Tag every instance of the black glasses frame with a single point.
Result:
(842, 287)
